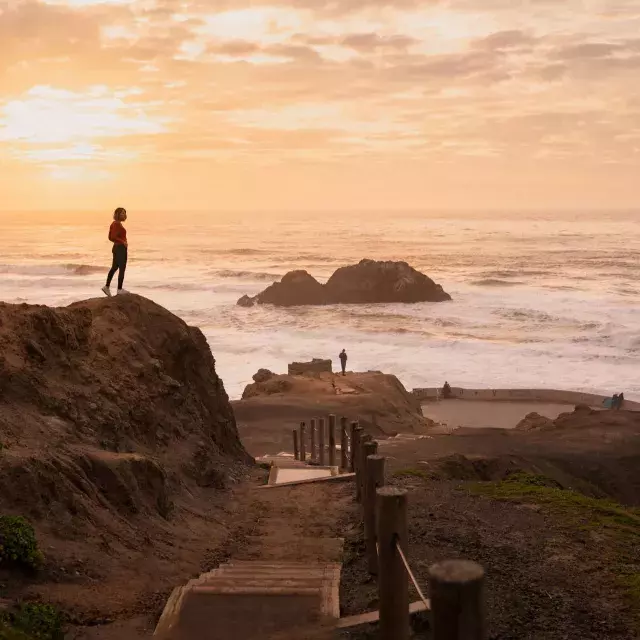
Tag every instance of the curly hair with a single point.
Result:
(118, 213)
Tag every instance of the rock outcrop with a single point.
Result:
(317, 365)
(535, 422)
(109, 409)
(270, 409)
(368, 282)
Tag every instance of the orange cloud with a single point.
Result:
(428, 88)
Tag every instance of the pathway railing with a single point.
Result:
(456, 587)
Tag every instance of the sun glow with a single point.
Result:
(53, 124)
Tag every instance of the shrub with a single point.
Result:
(18, 544)
(33, 622)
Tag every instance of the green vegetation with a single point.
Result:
(18, 544)
(573, 507)
(32, 622)
(412, 473)
(617, 525)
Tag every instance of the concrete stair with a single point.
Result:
(248, 599)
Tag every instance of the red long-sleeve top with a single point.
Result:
(117, 233)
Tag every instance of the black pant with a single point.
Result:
(120, 253)
(343, 364)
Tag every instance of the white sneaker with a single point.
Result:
(121, 291)
(106, 291)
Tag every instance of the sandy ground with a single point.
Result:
(500, 415)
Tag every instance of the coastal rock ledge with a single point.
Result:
(368, 282)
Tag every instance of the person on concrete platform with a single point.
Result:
(343, 362)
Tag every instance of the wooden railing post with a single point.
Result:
(364, 438)
(393, 581)
(355, 449)
(374, 480)
(303, 443)
(313, 440)
(296, 451)
(344, 444)
(457, 600)
(321, 446)
(332, 440)
(352, 447)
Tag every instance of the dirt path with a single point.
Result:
(289, 524)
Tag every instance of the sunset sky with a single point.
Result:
(307, 104)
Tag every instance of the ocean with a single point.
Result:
(539, 300)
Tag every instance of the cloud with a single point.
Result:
(447, 77)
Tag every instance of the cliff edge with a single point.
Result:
(116, 438)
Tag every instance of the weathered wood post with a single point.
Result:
(364, 438)
(313, 440)
(296, 451)
(332, 440)
(303, 443)
(375, 480)
(355, 448)
(321, 447)
(344, 444)
(393, 582)
(457, 600)
(352, 447)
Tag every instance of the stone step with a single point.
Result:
(266, 572)
(248, 616)
(264, 583)
(285, 566)
(214, 589)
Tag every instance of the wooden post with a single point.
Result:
(332, 440)
(364, 438)
(321, 446)
(357, 445)
(296, 452)
(369, 448)
(352, 447)
(375, 480)
(457, 600)
(313, 439)
(344, 453)
(393, 581)
(303, 443)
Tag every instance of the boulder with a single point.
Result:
(316, 365)
(375, 282)
(295, 288)
(263, 375)
(535, 422)
(368, 282)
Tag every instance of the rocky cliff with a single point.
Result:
(114, 431)
(368, 282)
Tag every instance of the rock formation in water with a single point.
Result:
(368, 282)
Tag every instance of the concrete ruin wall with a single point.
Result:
(315, 366)
(533, 395)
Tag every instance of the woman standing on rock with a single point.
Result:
(118, 235)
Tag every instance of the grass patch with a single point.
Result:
(617, 525)
(32, 622)
(18, 544)
(412, 473)
(571, 506)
